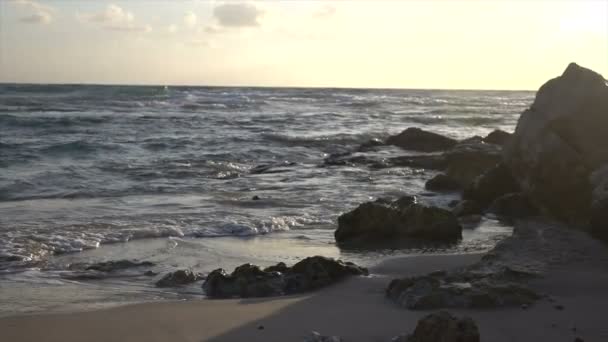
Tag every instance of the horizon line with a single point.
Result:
(249, 86)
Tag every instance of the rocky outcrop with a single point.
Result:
(443, 327)
(251, 281)
(416, 139)
(177, 278)
(403, 218)
(497, 137)
(560, 142)
(442, 182)
(492, 184)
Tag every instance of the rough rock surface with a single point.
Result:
(492, 184)
(497, 137)
(443, 327)
(560, 141)
(416, 139)
(403, 218)
(316, 337)
(179, 277)
(467, 161)
(513, 206)
(442, 182)
(250, 281)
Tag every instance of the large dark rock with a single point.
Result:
(416, 139)
(374, 221)
(560, 141)
(443, 327)
(467, 161)
(497, 137)
(513, 206)
(442, 182)
(490, 185)
(250, 281)
(177, 278)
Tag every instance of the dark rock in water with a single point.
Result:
(429, 162)
(255, 198)
(460, 290)
(442, 182)
(346, 159)
(476, 139)
(179, 277)
(316, 337)
(513, 205)
(466, 161)
(443, 327)
(467, 208)
(399, 219)
(273, 168)
(111, 266)
(250, 281)
(560, 142)
(370, 145)
(497, 137)
(416, 139)
(492, 184)
(599, 219)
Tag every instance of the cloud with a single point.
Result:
(42, 14)
(237, 15)
(190, 19)
(325, 12)
(115, 18)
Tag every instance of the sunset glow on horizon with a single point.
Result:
(369, 44)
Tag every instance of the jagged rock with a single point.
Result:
(497, 137)
(560, 141)
(467, 161)
(250, 281)
(416, 139)
(316, 337)
(347, 158)
(492, 184)
(443, 327)
(111, 266)
(513, 205)
(460, 290)
(179, 277)
(400, 219)
(467, 208)
(442, 182)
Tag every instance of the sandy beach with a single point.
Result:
(356, 310)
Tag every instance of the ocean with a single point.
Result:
(169, 174)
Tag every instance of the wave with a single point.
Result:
(320, 140)
(45, 122)
(79, 147)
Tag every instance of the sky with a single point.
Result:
(449, 44)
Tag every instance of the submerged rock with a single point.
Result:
(497, 137)
(442, 182)
(179, 277)
(560, 141)
(467, 208)
(492, 184)
(416, 139)
(403, 218)
(370, 145)
(111, 266)
(250, 281)
(443, 327)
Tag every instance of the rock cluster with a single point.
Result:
(416, 139)
(403, 218)
(251, 281)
